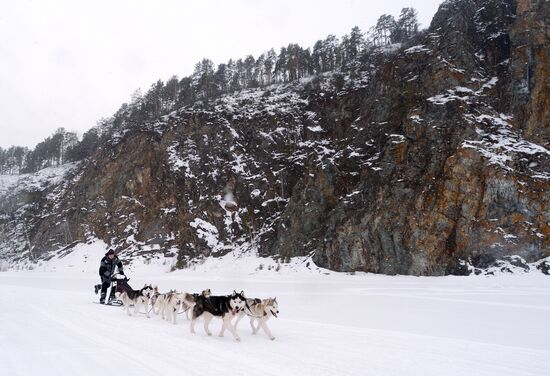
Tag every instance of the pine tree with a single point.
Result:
(169, 92)
(221, 78)
(382, 31)
(259, 68)
(332, 53)
(269, 65)
(356, 41)
(203, 79)
(280, 70)
(238, 81)
(317, 57)
(292, 61)
(250, 72)
(136, 99)
(152, 101)
(406, 26)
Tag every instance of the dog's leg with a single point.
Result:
(169, 317)
(136, 307)
(174, 315)
(263, 324)
(222, 331)
(195, 315)
(254, 329)
(207, 318)
(126, 305)
(163, 311)
(259, 324)
(186, 308)
(147, 307)
(240, 315)
(229, 326)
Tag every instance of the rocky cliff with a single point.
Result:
(428, 158)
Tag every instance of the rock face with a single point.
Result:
(421, 159)
(530, 69)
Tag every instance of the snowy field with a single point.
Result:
(333, 324)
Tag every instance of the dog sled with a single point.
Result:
(119, 284)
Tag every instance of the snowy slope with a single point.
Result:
(38, 181)
(334, 324)
(7, 182)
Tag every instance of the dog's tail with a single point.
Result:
(189, 299)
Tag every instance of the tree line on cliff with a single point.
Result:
(208, 82)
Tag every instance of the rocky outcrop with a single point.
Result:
(429, 158)
(530, 69)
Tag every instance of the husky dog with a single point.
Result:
(189, 300)
(158, 301)
(258, 310)
(173, 303)
(137, 298)
(225, 307)
(154, 297)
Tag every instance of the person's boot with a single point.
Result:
(102, 299)
(97, 288)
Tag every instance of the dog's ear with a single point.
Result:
(234, 292)
(275, 299)
(242, 293)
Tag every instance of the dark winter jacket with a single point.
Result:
(107, 267)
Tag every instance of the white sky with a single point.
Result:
(69, 63)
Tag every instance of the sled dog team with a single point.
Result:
(204, 305)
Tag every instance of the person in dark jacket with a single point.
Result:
(106, 270)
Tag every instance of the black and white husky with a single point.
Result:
(259, 310)
(225, 307)
(137, 298)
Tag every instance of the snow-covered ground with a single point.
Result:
(329, 324)
(7, 181)
(36, 181)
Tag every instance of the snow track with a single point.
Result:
(329, 325)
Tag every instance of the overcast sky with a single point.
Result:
(70, 63)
